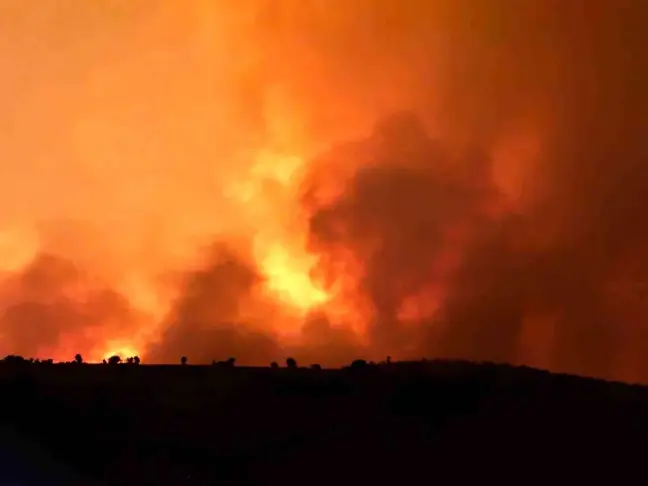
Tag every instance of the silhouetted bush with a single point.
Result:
(113, 360)
(183, 361)
(78, 359)
(228, 363)
(291, 363)
(359, 364)
(316, 367)
(274, 365)
(136, 360)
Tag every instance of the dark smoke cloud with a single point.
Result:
(207, 322)
(560, 255)
(327, 344)
(52, 303)
(574, 254)
(218, 315)
(395, 213)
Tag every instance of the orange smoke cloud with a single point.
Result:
(324, 179)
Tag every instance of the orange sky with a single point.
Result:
(136, 134)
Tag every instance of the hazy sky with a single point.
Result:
(508, 221)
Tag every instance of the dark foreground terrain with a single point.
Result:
(399, 424)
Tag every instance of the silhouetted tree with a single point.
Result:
(358, 364)
(291, 363)
(103, 361)
(183, 361)
(316, 367)
(49, 361)
(274, 364)
(129, 360)
(136, 360)
(388, 360)
(78, 359)
(114, 360)
(231, 362)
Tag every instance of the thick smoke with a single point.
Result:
(499, 214)
(561, 268)
(220, 314)
(396, 216)
(210, 322)
(52, 307)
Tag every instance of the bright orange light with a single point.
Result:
(122, 350)
(267, 199)
(289, 279)
(17, 248)
(158, 141)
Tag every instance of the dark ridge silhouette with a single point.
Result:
(380, 423)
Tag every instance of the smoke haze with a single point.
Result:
(326, 179)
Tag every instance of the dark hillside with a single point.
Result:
(403, 423)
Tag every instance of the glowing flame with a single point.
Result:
(290, 279)
(267, 199)
(122, 350)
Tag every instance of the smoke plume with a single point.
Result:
(376, 177)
